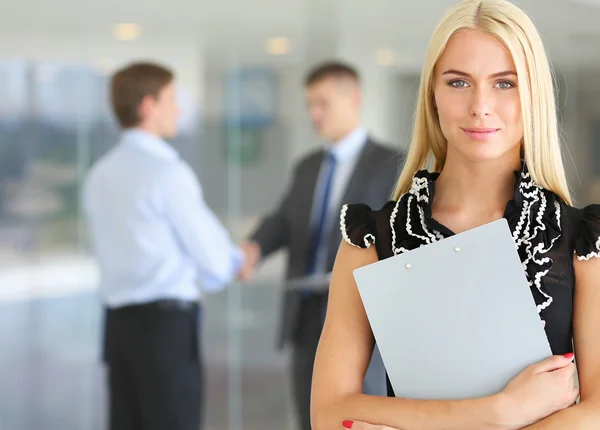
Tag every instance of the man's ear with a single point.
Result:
(358, 97)
(144, 106)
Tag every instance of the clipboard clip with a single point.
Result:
(408, 265)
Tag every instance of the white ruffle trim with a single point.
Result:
(525, 237)
(369, 239)
(525, 232)
(419, 192)
(593, 254)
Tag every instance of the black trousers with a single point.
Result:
(304, 348)
(153, 356)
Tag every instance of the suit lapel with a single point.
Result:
(309, 190)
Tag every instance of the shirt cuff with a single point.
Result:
(214, 285)
(238, 260)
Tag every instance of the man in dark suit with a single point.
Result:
(351, 168)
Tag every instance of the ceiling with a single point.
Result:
(236, 30)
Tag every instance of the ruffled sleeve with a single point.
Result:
(358, 226)
(587, 234)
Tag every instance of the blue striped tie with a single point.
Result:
(321, 216)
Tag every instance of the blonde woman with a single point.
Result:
(486, 124)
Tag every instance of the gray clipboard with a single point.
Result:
(456, 318)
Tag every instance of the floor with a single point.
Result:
(51, 379)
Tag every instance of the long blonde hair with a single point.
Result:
(541, 145)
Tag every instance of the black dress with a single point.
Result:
(547, 232)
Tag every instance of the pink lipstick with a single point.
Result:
(481, 133)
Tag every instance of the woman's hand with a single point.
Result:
(539, 391)
(536, 393)
(359, 425)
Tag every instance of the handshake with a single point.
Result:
(252, 255)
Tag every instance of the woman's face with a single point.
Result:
(477, 98)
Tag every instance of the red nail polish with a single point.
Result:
(348, 424)
(569, 356)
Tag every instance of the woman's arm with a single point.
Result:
(342, 357)
(586, 334)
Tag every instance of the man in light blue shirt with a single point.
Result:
(154, 239)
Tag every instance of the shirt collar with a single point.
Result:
(348, 146)
(149, 142)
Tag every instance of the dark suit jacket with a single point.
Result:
(372, 182)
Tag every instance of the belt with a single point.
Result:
(165, 304)
(172, 304)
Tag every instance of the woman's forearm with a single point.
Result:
(488, 413)
(584, 416)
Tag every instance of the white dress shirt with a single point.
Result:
(152, 233)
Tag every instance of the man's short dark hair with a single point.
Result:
(331, 69)
(131, 84)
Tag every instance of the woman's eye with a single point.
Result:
(458, 83)
(505, 85)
